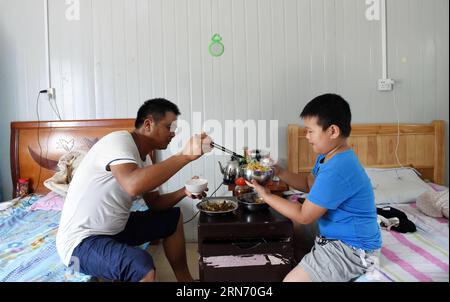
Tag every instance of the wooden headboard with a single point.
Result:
(56, 138)
(421, 146)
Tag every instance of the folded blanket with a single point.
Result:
(67, 165)
(434, 204)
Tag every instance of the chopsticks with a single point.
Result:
(214, 145)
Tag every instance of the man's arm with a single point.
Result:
(137, 181)
(163, 202)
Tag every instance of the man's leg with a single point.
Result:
(175, 249)
(147, 226)
(106, 258)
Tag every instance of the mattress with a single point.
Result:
(421, 256)
(28, 245)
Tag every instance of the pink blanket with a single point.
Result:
(50, 202)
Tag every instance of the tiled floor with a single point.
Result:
(164, 272)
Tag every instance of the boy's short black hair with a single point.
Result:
(330, 109)
(156, 108)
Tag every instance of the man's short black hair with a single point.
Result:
(156, 108)
(330, 109)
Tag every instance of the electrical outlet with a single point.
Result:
(51, 92)
(385, 85)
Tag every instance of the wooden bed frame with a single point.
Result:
(421, 146)
(38, 163)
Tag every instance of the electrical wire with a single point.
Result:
(398, 132)
(192, 217)
(215, 191)
(56, 111)
(54, 107)
(38, 138)
(398, 139)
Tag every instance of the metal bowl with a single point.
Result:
(261, 177)
(250, 202)
(231, 202)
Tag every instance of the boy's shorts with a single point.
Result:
(335, 261)
(118, 257)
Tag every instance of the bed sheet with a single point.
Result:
(28, 245)
(421, 256)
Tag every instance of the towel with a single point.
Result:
(68, 164)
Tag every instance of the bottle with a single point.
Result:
(241, 188)
(22, 188)
(244, 161)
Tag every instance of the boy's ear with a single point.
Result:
(335, 131)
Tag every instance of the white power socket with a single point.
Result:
(51, 92)
(385, 84)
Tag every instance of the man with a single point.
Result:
(97, 231)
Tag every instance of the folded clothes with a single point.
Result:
(396, 220)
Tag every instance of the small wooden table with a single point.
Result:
(241, 237)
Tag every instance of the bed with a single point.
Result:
(412, 257)
(27, 235)
(28, 231)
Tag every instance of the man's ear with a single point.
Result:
(149, 124)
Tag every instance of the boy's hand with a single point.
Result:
(262, 191)
(197, 146)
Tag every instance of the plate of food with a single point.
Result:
(218, 205)
(253, 202)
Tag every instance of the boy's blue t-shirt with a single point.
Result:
(342, 186)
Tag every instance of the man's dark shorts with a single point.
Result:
(118, 257)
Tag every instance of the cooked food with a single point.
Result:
(256, 166)
(218, 206)
(252, 198)
(259, 200)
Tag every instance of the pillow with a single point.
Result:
(401, 185)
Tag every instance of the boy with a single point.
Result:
(340, 199)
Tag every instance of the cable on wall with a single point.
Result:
(50, 91)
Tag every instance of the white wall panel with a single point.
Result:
(279, 54)
(22, 72)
